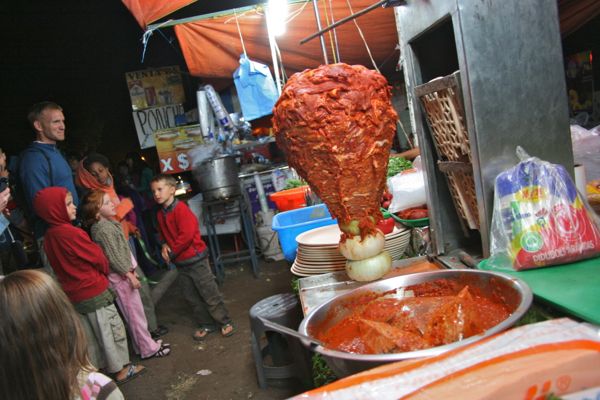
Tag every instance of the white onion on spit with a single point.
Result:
(369, 269)
(356, 248)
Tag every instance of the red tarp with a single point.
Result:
(212, 47)
(148, 11)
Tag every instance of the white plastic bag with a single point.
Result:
(586, 147)
(202, 153)
(408, 190)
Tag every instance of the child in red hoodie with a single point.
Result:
(184, 246)
(81, 269)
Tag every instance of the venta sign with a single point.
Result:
(151, 120)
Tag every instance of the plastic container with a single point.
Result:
(290, 199)
(412, 223)
(290, 224)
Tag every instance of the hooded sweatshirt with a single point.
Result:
(79, 263)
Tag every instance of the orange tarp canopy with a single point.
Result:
(575, 13)
(212, 47)
(148, 11)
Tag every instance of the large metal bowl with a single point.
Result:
(514, 292)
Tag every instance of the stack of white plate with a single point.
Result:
(318, 251)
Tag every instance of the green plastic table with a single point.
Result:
(573, 288)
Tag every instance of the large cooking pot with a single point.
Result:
(218, 178)
(515, 293)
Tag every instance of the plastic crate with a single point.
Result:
(443, 105)
(289, 224)
(290, 199)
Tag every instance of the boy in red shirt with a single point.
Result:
(185, 248)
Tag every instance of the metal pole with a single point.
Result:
(340, 22)
(335, 40)
(316, 8)
(273, 54)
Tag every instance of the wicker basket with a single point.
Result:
(441, 100)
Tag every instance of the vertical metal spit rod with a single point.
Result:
(316, 8)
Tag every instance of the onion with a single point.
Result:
(353, 248)
(350, 228)
(371, 268)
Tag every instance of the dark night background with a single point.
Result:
(76, 54)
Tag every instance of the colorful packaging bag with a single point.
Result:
(539, 218)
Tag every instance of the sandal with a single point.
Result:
(163, 351)
(201, 334)
(227, 330)
(133, 371)
(158, 332)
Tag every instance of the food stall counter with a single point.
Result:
(571, 287)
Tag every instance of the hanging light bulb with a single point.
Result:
(182, 187)
(277, 13)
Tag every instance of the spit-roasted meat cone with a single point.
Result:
(336, 125)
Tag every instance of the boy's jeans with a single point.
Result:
(202, 293)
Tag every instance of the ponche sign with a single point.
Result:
(151, 120)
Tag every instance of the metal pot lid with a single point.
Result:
(219, 157)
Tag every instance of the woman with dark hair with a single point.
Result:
(50, 362)
(93, 172)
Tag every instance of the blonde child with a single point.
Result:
(44, 347)
(98, 212)
(184, 246)
(81, 268)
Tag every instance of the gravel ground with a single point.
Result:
(218, 368)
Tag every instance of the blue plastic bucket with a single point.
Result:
(289, 224)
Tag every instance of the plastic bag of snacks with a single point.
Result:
(539, 218)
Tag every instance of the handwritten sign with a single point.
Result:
(151, 120)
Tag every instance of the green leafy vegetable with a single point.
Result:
(397, 165)
(293, 183)
(537, 313)
(295, 285)
(322, 374)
